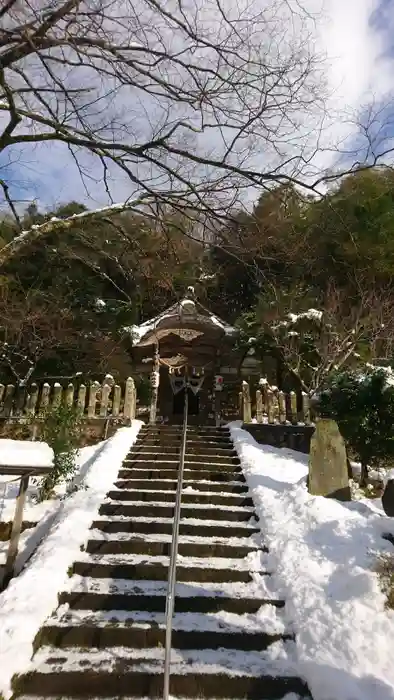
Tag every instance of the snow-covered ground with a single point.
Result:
(23, 607)
(323, 553)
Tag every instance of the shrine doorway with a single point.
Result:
(179, 403)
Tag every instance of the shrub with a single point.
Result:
(363, 406)
(61, 430)
(385, 571)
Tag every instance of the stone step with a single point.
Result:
(188, 474)
(193, 441)
(171, 485)
(174, 463)
(166, 510)
(188, 496)
(222, 451)
(142, 629)
(165, 526)
(122, 672)
(178, 430)
(143, 545)
(165, 455)
(86, 593)
(155, 568)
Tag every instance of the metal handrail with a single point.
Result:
(170, 600)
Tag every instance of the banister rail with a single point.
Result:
(170, 599)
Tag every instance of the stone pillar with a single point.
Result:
(328, 474)
(247, 404)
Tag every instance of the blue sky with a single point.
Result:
(357, 39)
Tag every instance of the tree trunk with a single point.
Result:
(364, 474)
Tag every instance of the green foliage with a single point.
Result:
(363, 406)
(385, 571)
(62, 427)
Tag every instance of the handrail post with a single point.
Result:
(170, 600)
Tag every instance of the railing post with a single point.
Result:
(57, 395)
(247, 404)
(170, 600)
(282, 407)
(259, 406)
(69, 395)
(270, 407)
(293, 407)
(306, 412)
(116, 400)
(128, 408)
(81, 398)
(44, 401)
(93, 390)
(105, 392)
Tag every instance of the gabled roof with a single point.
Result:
(185, 314)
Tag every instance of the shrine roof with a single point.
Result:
(187, 314)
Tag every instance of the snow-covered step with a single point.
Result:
(145, 545)
(223, 450)
(188, 526)
(268, 619)
(120, 671)
(189, 495)
(253, 542)
(156, 472)
(143, 453)
(143, 629)
(87, 593)
(260, 588)
(166, 509)
(167, 484)
(201, 463)
(158, 543)
(156, 567)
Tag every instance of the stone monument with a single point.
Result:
(328, 471)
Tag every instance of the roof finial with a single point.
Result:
(190, 293)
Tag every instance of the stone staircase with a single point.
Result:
(106, 639)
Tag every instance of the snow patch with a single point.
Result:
(323, 553)
(32, 596)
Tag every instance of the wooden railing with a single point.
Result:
(96, 401)
(270, 405)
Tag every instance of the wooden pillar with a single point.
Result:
(15, 532)
(155, 381)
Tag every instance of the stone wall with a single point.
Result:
(295, 437)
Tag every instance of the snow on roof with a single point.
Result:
(229, 330)
(25, 453)
(139, 331)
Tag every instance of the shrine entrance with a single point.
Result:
(185, 348)
(182, 383)
(179, 403)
